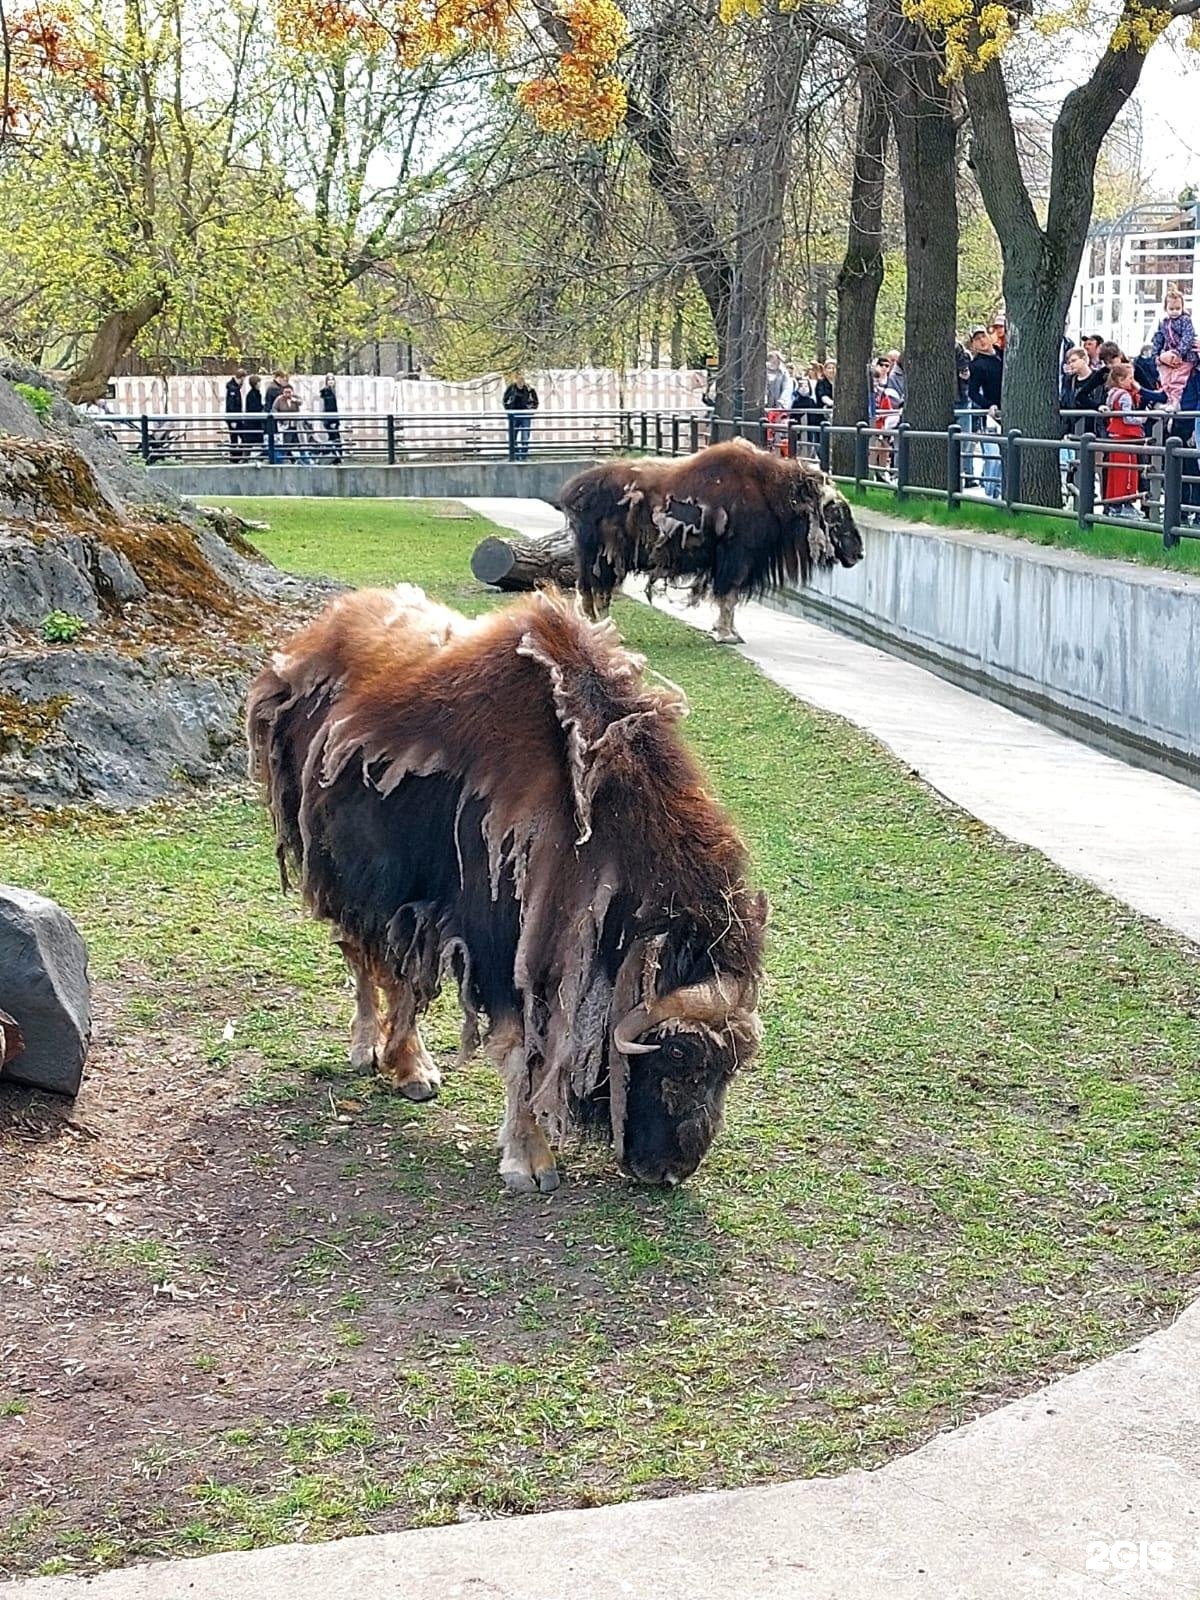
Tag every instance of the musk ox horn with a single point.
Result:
(625, 1034)
(711, 1002)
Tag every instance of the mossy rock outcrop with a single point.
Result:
(168, 613)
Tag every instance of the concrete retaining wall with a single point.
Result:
(1104, 650)
(539, 479)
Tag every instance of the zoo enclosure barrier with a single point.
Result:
(1100, 478)
(322, 438)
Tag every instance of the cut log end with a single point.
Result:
(520, 564)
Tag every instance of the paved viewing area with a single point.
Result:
(1089, 1487)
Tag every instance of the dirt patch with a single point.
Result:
(187, 1281)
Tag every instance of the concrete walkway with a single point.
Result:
(1089, 1488)
(1132, 833)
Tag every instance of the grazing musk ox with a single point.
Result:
(733, 519)
(507, 802)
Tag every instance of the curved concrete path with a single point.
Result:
(1088, 1489)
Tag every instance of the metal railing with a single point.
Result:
(1150, 483)
(325, 439)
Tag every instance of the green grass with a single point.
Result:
(966, 1160)
(1115, 544)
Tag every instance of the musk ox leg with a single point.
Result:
(404, 1060)
(594, 604)
(366, 1033)
(526, 1160)
(724, 631)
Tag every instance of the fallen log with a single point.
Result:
(514, 563)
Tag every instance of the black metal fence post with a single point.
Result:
(391, 440)
(694, 439)
(953, 465)
(658, 433)
(645, 431)
(1172, 492)
(674, 435)
(144, 445)
(1085, 481)
(1012, 468)
(862, 447)
(902, 448)
(272, 432)
(824, 446)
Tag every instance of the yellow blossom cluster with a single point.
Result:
(974, 34)
(415, 30)
(583, 95)
(730, 10)
(1139, 27)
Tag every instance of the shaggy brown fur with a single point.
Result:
(507, 800)
(732, 519)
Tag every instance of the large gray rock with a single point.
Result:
(44, 986)
(121, 731)
(17, 416)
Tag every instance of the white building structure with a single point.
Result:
(1128, 266)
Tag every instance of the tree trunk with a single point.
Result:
(760, 210)
(114, 339)
(526, 563)
(1040, 264)
(1036, 298)
(861, 275)
(926, 148)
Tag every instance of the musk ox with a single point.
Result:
(732, 519)
(508, 803)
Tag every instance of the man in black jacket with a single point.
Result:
(520, 401)
(233, 408)
(986, 373)
(1082, 385)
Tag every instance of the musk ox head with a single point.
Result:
(680, 1053)
(837, 522)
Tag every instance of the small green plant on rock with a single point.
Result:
(62, 627)
(40, 401)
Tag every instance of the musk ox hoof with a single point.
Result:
(421, 1088)
(519, 1180)
(362, 1056)
(727, 636)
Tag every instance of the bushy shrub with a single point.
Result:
(62, 627)
(40, 400)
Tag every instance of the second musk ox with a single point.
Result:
(732, 520)
(507, 802)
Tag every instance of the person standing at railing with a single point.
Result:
(1122, 467)
(983, 389)
(333, 424)
(1082, 389)
(520, 400)
(252, 428)
(233, 408)
(778, 392)
(275, 388)
(826, 373)
(286, 410)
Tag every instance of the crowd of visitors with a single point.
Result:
(247, 405)
(1101, 390)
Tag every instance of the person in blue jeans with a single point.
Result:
(520, 401)
(983, 389)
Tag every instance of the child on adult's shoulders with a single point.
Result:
(1174, 347)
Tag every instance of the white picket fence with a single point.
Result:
(578, 392)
